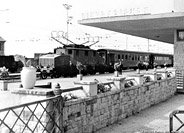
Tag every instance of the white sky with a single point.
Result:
(28, 24)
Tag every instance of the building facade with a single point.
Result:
(2, 42)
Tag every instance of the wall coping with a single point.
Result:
(34, 91)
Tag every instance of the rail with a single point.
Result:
(34, 117)
(178, 118)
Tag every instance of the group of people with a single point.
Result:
(119, 65)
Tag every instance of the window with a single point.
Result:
(77, 52)
(118, 56)
(86, 53)
(122, 56)
(69, 51)
(94, 53)
(129, 57)
(126, 56)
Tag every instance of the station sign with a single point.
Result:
(116, 12)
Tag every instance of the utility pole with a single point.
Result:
(67, 7)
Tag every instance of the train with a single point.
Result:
(64, 60)
(9, 62)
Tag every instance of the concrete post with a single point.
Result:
(164, 73)
(89, 87)
(138, 78)
(118, 81)
(153, 76)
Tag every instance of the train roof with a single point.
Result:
(128, 51)
(50, 56)
(76, 47)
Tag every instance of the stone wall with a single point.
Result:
(92, 113)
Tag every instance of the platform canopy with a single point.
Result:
(159, 27)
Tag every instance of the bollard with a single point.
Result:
(116, 73)
(138, 71)
(4, 85)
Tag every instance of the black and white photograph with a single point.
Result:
(91, 66)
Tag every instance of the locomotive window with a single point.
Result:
(118, 56)
(77, 52)
(94, 53)
(86, 53)
(69, 51)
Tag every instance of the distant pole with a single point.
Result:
(67, 7)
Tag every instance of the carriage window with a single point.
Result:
(129, 57)
(132, 57)
(118, 56)
(86, 53)
(135, 57)
(77, 52)
(126, 56)
(122, 56)
(69, 51)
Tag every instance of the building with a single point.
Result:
(2, 41)
(161, 21)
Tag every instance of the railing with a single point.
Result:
(175, 114)
(35, 117)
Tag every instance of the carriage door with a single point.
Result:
(151, 60)
(111, 59)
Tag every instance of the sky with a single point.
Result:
(27, 25)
